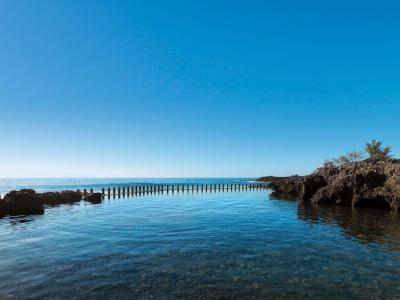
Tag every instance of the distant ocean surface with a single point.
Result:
(60, 184)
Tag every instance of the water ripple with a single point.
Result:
(238, 245)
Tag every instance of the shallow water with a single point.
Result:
(236, 244)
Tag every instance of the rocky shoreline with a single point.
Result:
(367, 183)
(28, 202)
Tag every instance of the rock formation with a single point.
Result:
(21, 202)
(370, 183)
(28, 202)
(65, 197)
(94, 198)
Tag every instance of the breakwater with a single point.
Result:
(28, 201)
(159, 188)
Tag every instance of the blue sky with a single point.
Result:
(194, 88)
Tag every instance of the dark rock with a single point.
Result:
(285, 187)
(23, 202)
(275, 178)
(94, 198)
(54, 198)
(310, 185)
(368, 183)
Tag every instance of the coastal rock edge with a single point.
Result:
(367, 183)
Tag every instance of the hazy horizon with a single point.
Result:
(176, 89)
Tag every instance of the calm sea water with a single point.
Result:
(223, 245)
(60, 184)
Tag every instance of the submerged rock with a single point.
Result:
(369, 183)
(94, 198)
(23, 202)
(65, 197)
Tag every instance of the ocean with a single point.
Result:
(197, 245)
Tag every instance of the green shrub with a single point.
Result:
(376, 151)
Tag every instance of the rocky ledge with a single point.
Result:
(27, 202)
(367, 183)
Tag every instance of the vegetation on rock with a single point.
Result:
(373, 149)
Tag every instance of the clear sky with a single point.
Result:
(194, 88)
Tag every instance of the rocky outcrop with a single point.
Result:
(55, 198)
(94, 198)
(23, 202)
(285, 187)
(28, 202)
(367, 183)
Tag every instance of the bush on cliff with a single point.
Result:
(376, 151)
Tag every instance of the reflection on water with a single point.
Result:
(231, 245)
(366, 225)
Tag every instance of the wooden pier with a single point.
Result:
(144, 189)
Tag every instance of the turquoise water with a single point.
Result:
(223, 245)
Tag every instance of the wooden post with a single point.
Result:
(102, 191)
(119, 191)
(108, 192)
(84, 192)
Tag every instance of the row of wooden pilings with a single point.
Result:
(152, 189)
